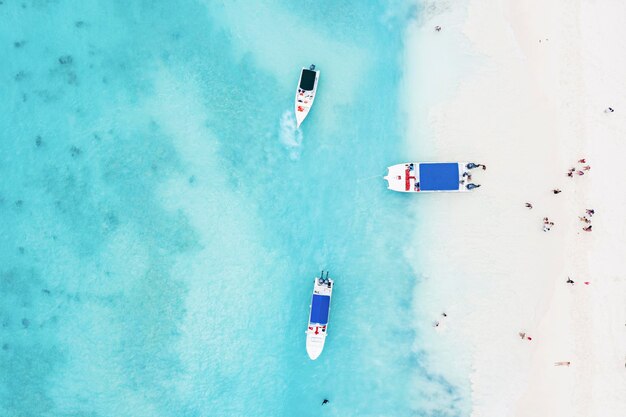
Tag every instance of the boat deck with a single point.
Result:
(416, 177)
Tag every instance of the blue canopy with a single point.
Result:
(439, 177)
(319, 309)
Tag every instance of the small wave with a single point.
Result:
(289, 134)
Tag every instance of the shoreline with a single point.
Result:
(519, 101)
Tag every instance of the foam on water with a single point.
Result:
(289, 134)
(159, 236)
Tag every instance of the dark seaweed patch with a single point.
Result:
(19, 44)
(38, 141)
(75, 152)
(66, 60)
(20, 76)
(25, 323)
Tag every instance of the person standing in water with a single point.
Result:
(325, 401)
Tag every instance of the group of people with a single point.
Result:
(587, 220)
(547, 224)
(466, 174)
(579, 171)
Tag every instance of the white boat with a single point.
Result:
(318, 316)
(307, 86)
(422, 177)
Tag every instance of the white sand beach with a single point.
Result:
(522, 86)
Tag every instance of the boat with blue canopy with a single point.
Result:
(318, 315)
(420, 177)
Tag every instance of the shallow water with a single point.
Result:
(162, 220)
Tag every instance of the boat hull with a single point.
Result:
(318, 317)
(430, 177)
(305, 98)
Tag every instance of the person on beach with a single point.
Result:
(570, 174)
(472, 165)
(580, 173)
(570, 281)
(436, 324)
(587, 229)
(590, 212)
(584, 219)
(556, 191)
(582, 161)
(528, 205)
(609, 110)
(586, 167)
(468, 175)
(523, 336)
(438, 28)
(568, 363)
(325, 401)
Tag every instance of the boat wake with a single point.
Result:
(289, 134)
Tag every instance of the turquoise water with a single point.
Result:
(162, 221)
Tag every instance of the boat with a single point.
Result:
(318, 315)
(427, 177)
(307, 86)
